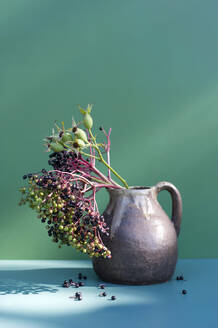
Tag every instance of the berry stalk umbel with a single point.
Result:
(65, 197)
(101, 158)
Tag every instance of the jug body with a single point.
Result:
(142, 238)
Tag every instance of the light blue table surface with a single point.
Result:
(31, 295)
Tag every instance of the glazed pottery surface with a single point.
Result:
(142, 238)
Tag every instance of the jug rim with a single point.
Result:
(131, 190)
(139, 187)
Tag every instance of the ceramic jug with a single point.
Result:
(142, 238)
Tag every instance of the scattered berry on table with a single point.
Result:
(103, 294)
(184, 291)
(113, 298)
(102, 286)
(66, 284)
(78, 296)
(180, 277)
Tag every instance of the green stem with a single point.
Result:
(99, 181)
(105, 163)
(88, 155)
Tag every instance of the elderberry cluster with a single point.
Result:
(67, 161)
(61, 205)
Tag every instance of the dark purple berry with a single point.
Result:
(113, 298)
(184, 291)
(81, 283)
(66, 284)
(84, 277)
(24, 177)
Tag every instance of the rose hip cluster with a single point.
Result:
(62, 204)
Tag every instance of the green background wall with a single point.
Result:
(150, 67)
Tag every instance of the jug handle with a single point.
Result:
(176, 202)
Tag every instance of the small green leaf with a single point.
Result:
(82, 111)
(89, 108)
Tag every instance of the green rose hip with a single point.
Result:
(87, 121)
(66, 137)
(56, 147)
(80, 134)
